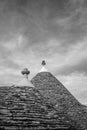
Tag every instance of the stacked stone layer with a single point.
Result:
(24, 108)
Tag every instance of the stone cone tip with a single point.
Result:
(43, 69)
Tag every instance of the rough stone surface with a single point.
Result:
(24, 108)
(61, 99)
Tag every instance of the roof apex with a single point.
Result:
(43, 69)
(24, 82)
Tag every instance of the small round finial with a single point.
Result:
(43, 69)
(25, 71)
(43, 63)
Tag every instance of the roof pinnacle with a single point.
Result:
(43, 63)
(43, 69)
(25, 81)
(25, 72)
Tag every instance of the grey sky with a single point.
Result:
(55, 30)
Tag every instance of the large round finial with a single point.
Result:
(26, 72)
(43, 63)
(25, 81)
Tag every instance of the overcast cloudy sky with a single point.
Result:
(54, 30)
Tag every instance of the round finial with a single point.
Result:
(43, 63)
(25, 71)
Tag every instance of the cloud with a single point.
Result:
(74, 59)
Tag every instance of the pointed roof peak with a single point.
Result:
(25, 81)
(43, 69)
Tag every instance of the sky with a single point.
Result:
(53, 30)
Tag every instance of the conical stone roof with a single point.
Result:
(61, 99)
(26, 109)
